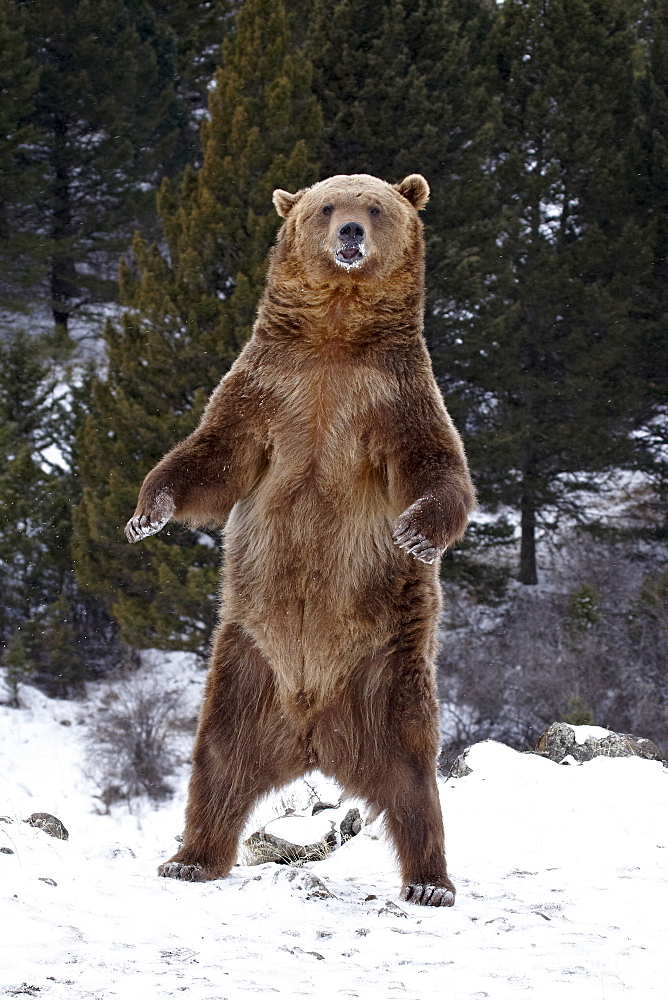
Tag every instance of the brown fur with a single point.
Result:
(326, 441)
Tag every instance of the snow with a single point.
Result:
(561, 872)
(306, 829)
(584, 733)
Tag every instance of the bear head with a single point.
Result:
(353, 228)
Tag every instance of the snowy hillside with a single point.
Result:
(562, 877)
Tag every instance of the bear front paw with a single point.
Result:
(415, 543)
(419, 531)
(142, 525)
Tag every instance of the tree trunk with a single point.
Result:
(528, 573)
(63, 274)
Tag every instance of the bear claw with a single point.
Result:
(428, 895)
(142, 525)
(187, 873)
(416, 545)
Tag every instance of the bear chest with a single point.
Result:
(323, 426)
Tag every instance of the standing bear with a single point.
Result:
(328, 456)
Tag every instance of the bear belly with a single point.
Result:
(310, 567)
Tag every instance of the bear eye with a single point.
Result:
(327, 210)
(374, 210)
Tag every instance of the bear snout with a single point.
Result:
(351, 235)
(351, 232)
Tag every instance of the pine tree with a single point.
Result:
(29, 488)
(651, 190)
(393, 90)
(51, 634)
(338, 38)
(264, 127)
(535, 315)
(33, 497)
(162, 594)
(50, 656)
(198, 29)
(109, 124)
(189, 312)
(16, 666)
(20, 257)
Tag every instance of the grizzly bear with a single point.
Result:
(328, 456)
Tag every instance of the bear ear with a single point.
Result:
(415, 189)
(284, 202)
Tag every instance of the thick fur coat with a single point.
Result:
(328, 456)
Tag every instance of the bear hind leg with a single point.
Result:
(415, 823)
(408, 795)
(243, 750)
(388, 757)
(406, 792)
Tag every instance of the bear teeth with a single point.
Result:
(357, 254)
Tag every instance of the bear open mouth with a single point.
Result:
(350, 254)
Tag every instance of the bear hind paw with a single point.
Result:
(428, 895)
(187, 873)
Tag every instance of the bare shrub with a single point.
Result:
(590, 647)
(132, 741)
(499, 680)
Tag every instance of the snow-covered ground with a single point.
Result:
(562, 876)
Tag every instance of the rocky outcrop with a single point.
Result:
(567, 744)
(582, 743)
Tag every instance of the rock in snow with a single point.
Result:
(297, 838)
(50, 824)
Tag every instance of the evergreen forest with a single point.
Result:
(140, 143)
